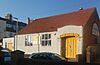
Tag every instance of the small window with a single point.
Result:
(9, 25)
(49, 43)
(28, 41)
(42, 36)
(43, 43)
(95, 29)
(46, 40)
(46, 36)
(49, 36)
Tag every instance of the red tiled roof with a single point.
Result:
(49, 24)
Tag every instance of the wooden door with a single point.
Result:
(71, 47)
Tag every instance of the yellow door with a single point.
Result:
(71, 47)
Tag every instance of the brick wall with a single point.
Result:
(93, 54)
(88, 37)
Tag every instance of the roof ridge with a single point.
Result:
(90, 15)
(65, 13)
(79, 18)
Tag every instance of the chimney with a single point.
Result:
(9, 16)
(28, 20)
(81, 8)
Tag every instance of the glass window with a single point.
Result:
(49, 42)
(46, 36)
(9, 25)
(42, 42)
(46, 40)
(28, 41)
(49, 36)
(42, 36)
(95, 29)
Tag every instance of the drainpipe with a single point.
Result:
(38, 43)
(14, 43)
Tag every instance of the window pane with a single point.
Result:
(43, 36)
(42, 43)
(49, 42)
(28, 41)
(46, 42)
(46, 36)
(49, 36)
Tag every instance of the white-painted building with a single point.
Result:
(67, 34)
(8, 43)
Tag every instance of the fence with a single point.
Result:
(93, 54)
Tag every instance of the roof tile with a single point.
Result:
(51, 23)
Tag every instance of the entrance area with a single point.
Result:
(69, 45)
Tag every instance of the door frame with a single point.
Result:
(63, 45)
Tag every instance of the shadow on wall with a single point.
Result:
(93, 54)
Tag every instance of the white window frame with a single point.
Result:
(28, 41)
(46, 40)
